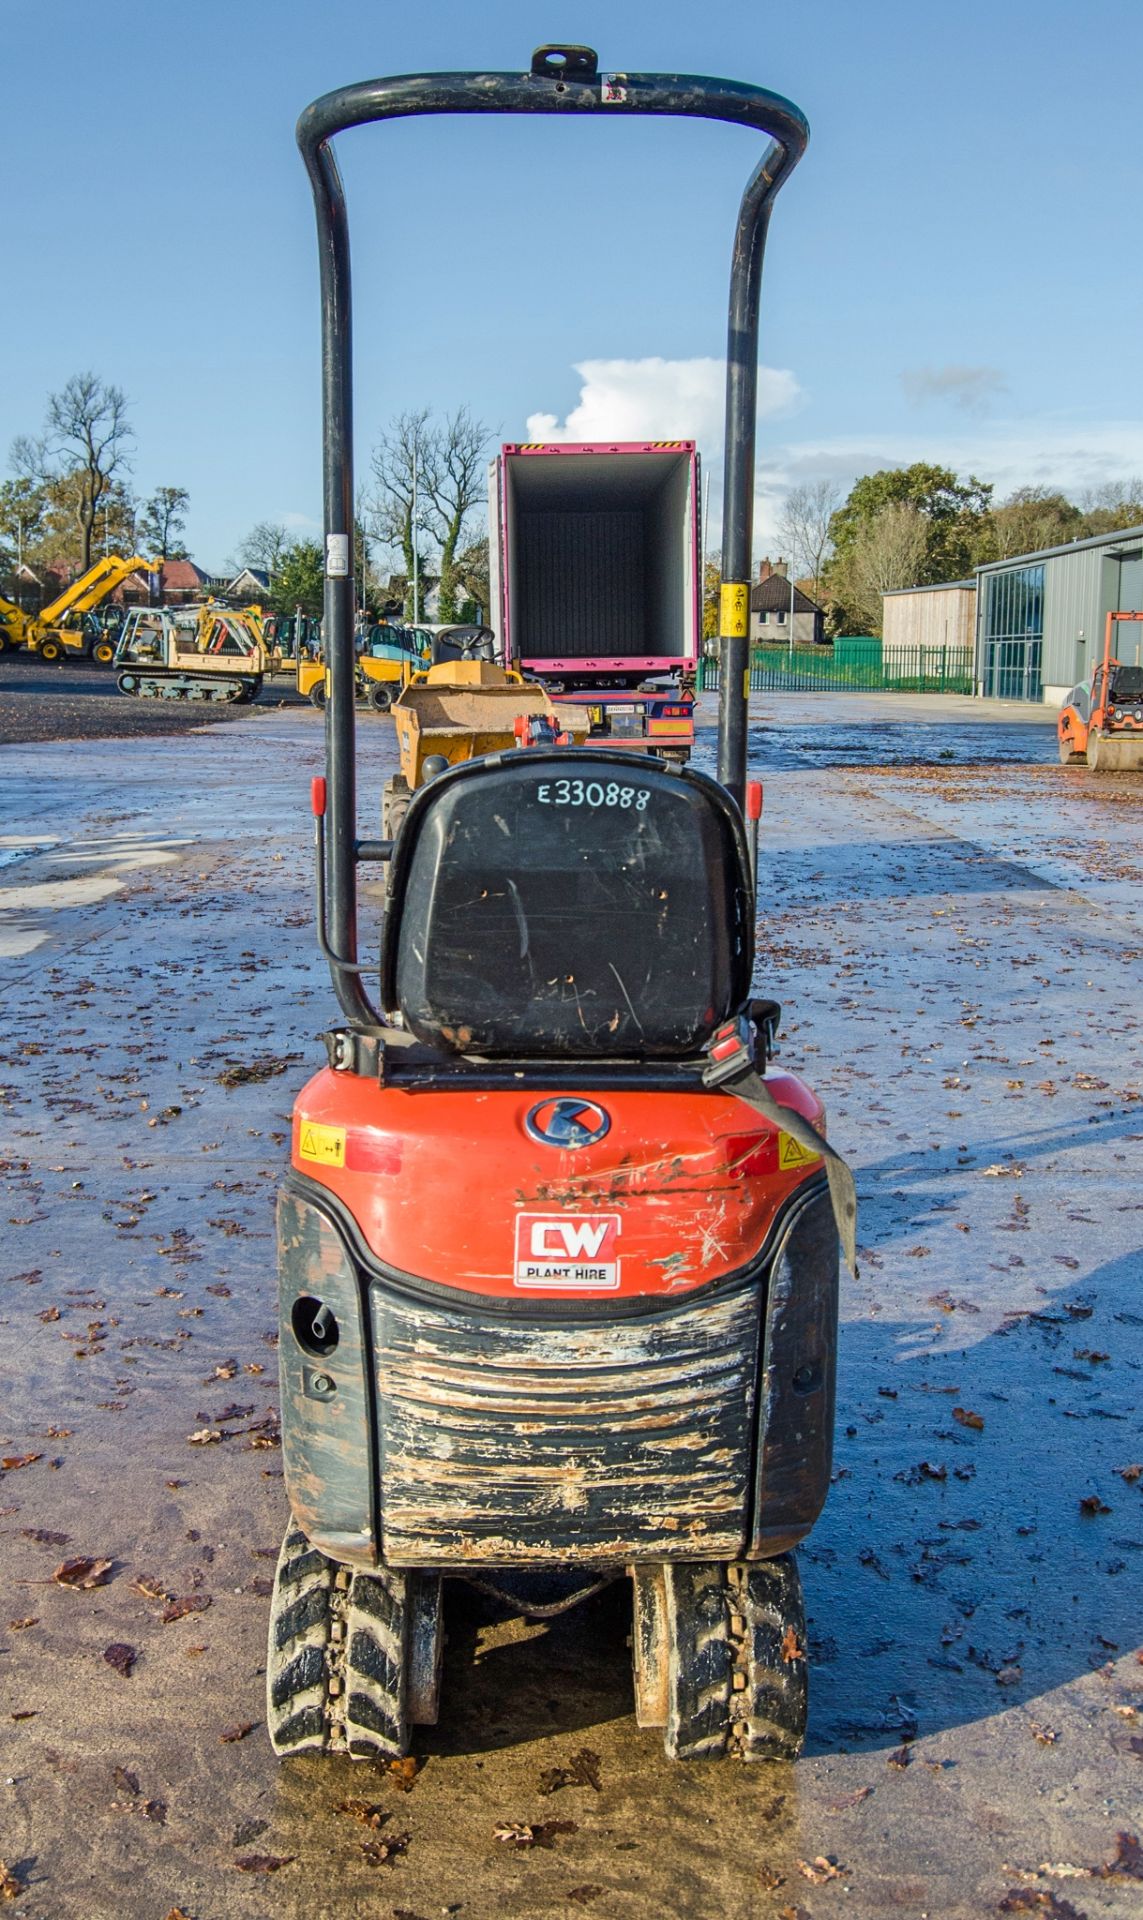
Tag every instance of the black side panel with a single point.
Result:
(507, 1445)
(799, 1366)
(326, 1435)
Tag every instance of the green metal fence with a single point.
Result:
(854, 664)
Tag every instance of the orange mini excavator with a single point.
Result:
(558, 1254)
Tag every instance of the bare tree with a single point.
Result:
(400, 464)
(888, 553)
(265, 546)
(454, 483)
(83, 448)
(805, 524)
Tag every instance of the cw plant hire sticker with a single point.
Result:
(326, 1145)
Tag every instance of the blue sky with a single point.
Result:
(953, 271)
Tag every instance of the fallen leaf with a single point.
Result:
(819, 1870)
(1130, 1474)
(541, 1833)
(120, 1656)
(366, 1811)
(155, 1810)
(382, 1853)
(189, 1603)
(847, 1800)
(238, 1732)
(790, 1648)
(205, 1437)
(10, 1887)
(126, 1781)
(1092, 1504)
(24, 1713)
(44, 1536)
(149, 1588)
(263, 1862)
(83, 1572)
(401, 1773)
(1046, 1736)
(1039, 1900)
(1009, 1676)
(583, 1895)
(968, 1419)
(901, 1757)
(582, 1772)
(12, 1461)
(1128, 1861)
(176, 1913)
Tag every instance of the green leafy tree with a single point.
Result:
(473, 582)
(955, 513)
(162, 523)
(23, 516)
(300, 579)
(711, 588)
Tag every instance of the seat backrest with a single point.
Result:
(566, 904)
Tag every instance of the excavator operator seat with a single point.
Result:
(568, 904)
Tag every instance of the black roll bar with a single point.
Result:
(562, 79)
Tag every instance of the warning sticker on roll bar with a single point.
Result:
(576, 1251)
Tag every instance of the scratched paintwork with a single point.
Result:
(690, 1215)
(326, 1442)
(507, 1444)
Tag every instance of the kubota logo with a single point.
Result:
(567, 1123)
(573, 1250)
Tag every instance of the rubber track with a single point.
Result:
(296, 1661)
(737, 1685)
(770, 1723)
(375, 1720)
(701, 1659)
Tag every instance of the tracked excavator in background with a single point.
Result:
(207, 653)
(58, 629)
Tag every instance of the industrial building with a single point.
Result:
(1039, 617)
(929, 617)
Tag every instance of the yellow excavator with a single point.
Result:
(51, 632)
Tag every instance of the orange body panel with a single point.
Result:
(449, 1187)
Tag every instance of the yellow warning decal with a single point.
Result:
(734, 609)
(791, 1152)
(324, 1144)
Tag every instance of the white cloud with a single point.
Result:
(969, 388)
(656, 399)
(1051, 452)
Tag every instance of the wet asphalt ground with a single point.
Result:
(953, 924)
